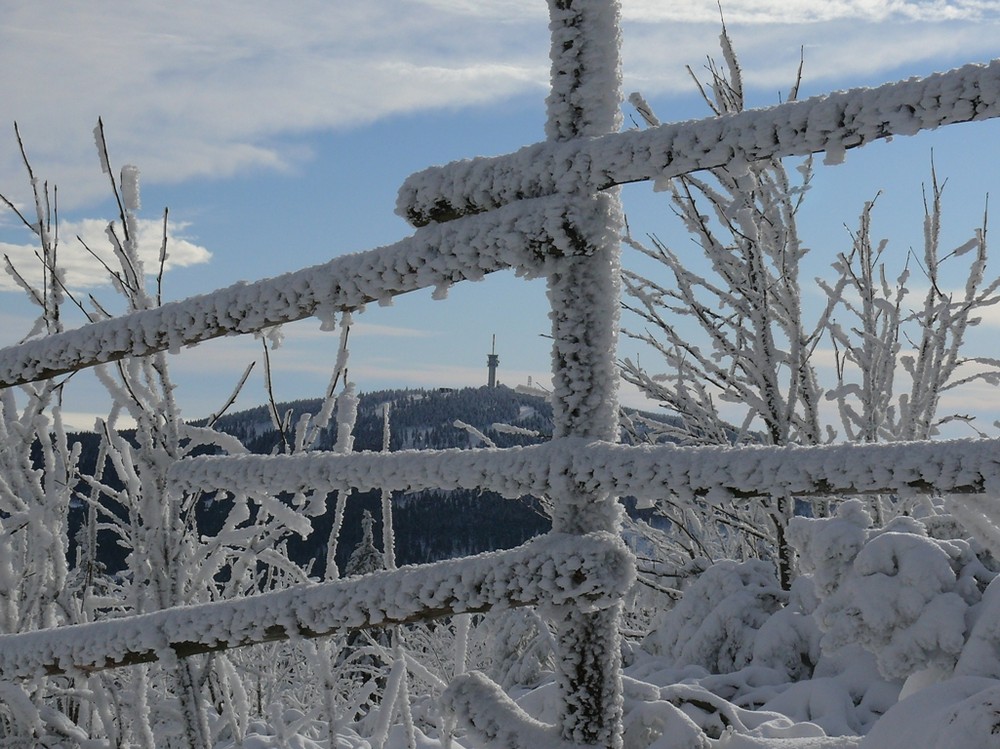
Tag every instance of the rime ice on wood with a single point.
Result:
(584, 102)
(588, 571)
(837, 122)
(645, 472)
(529, 237)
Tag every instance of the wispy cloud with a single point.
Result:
(858, 49)
(211, 89)
(389, 331)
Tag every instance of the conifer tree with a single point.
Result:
(365, 558)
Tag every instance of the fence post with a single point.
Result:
(584, 296)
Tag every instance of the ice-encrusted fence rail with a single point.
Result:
(548, 210)
(584, 570)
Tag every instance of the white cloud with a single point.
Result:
(204, 89)
(198, 89)
(83, 271)
(389, 331)
(85, 421)
(304, 350)
(499, 10)
(808, 11)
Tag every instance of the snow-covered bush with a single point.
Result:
(873, 614)
(38, 476)
(192, 702)
(900, 594)
(789, 641)
(902, 600)
(752, 345)
(716, 622)
(827, 547)
(981, 653)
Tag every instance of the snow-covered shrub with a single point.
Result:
(716, 623)
(520, 645)
(906, 599)
(39, 473)
(734, 333)
(981, 654)
(653, 722)
(870, 609)
(826, 547)
(193, 702)
(789, 641)
(895, 591)
(845, 694)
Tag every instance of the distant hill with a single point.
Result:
(420, 419)
(428, 525)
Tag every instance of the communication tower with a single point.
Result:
(493, 361)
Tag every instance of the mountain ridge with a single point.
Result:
(427, 525)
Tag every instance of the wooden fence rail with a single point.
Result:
(526, 237)
(646, 472)
(589, 571)
(833, 123)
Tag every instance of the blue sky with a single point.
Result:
(278, 136)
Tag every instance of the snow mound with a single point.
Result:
(961, 713)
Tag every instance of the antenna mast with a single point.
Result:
(492, 362)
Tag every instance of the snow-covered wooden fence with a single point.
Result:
(550, 209)
(646, 472)
(560, 570)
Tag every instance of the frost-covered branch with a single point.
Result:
(495, 719)
(873, 332)
(734, 332)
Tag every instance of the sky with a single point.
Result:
(278, 136)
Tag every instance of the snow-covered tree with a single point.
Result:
(170, 562)
(38, 469)
(365, 558)
(875, 327)
(757, 348)
(736, 357)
